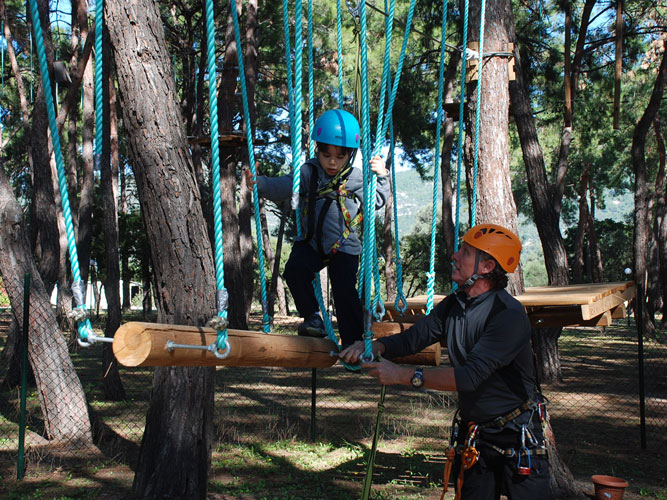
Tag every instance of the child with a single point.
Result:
(331, 202)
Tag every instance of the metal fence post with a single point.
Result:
(20, 466)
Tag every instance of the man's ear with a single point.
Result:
(487, 265)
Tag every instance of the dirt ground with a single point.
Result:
(594, 416)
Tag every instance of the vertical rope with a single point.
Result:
(459, 144)
(339, 45)
(215, 160)
(83, 325)
(296, 131)
(99, 94)
(251, 160)
(478, 105)
(430, 285)
(400, 303)
(311, 105)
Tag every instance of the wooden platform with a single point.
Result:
(590, 304)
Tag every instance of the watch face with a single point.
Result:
(417, 378)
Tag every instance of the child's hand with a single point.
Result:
(248, 179)
(377, 166)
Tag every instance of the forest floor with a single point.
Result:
(594, 415)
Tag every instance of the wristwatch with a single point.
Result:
(417, 379)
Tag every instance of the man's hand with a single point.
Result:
(389, 373)
(352, 354)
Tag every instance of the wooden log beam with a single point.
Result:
(145, 344)
(429, 356)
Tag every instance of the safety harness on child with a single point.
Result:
(336, 190)
(468, 450)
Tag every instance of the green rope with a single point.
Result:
(436, 166)
(84, 327)
(251, 159)
(222, 342)
(368, 479)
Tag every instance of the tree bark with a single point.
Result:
(113, 385)
(660, 213)
(642, 194)
(495, 202)
(61, 396)
(176, 447)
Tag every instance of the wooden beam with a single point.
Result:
(145, 344)
(429, 356)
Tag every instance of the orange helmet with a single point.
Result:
(499, 242)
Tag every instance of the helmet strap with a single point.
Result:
(471, 281)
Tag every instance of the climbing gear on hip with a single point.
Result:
(469, 457)
(335, 190)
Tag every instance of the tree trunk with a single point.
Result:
(641, 214)
(495, 203)
(660, 213)
(448, 190)
(235, 280)
(176, 447)
(61, 396)
(113, 385)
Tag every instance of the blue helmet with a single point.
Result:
(338, 128)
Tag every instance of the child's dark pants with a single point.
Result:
(299, 273)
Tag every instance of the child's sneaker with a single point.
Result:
(313, 326)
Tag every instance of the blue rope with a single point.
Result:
(366, 151)
(436, 165)
(459, 146)
(311, 105)
(251, 159)
(84, 327)
(401, 304)
(339, 45)
(222, 340)
(480, 64)
(296, 130)
(99, 94)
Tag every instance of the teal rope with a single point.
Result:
(436, 165)
(339, 45)
(2, 66)
(251, 159)
(378, 304)
(84, 327)
(459, 146)
(401, 304)
(366, 149)
(311, 105)
(99, 94)
(288, 66)
(222, 340)
(473, 208)
(296, 131)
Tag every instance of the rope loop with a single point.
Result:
(218, 351)
(401, 304)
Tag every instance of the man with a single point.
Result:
(487, 334)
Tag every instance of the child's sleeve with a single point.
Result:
(382, 191)
(275, 188)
